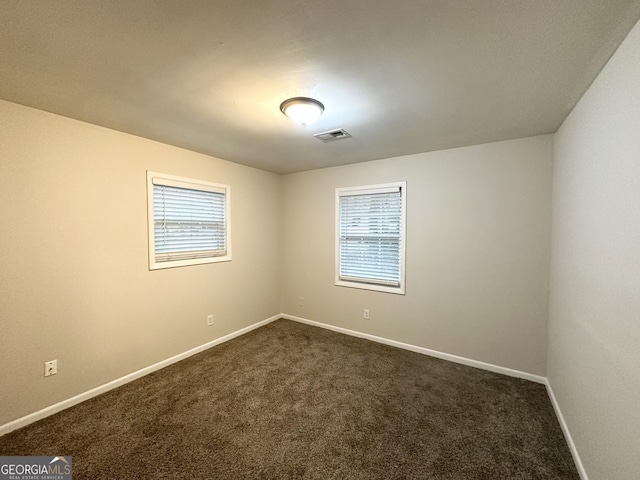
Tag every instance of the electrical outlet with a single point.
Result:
(50, 368)
(365, 315)
(209, 320)
(301, 301)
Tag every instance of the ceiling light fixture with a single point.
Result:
(302, 110)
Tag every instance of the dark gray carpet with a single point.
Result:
(293, 401)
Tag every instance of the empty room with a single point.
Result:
(320, 240)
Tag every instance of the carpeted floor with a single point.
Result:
(293, 401)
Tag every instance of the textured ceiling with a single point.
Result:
(402, 77)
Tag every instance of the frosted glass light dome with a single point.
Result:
(302, 110)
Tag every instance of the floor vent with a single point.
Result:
(332, 135)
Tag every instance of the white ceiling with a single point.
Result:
(401, 76)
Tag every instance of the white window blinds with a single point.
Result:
(189, 222)
(370, 237)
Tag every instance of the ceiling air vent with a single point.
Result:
(332, 135)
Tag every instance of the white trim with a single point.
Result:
(469, 362)
(371, 189)
(425, 351)
(566, 432)
(378, 287)
(70, 402)
(179, 182)
(58, 407)
(155, 178)
(367, 190)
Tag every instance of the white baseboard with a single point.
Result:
(425, 351)
(58, 407)
(567, 433)
(472, 363)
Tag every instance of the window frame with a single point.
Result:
(361, 190)
(193, 184)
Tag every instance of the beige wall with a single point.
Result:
(594, 336)
(478, 223)
(74, 278)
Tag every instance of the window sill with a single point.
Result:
(186, 263)
(371, 286)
